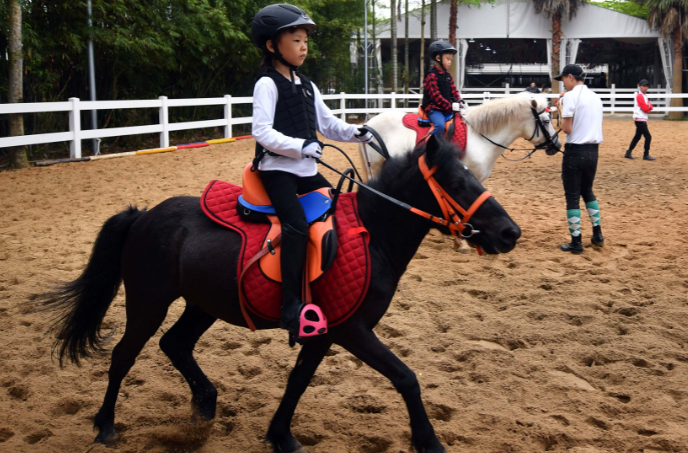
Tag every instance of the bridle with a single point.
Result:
(454, 217)
(539, 128)
(451, 218)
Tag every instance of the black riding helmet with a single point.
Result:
(271, 20)
(440, 48)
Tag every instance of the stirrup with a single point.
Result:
(312, 321)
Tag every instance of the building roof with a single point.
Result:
(517, 19)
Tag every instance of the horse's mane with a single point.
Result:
(396, 171)
(487, 118)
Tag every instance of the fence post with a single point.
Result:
(75, 129)
(164, 121)
(613, 98)
(393, 100)
(342, 105)
(507, 91)
(228, 116)
(486, 97)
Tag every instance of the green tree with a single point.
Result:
(149, 48)
(669, 17)
(557, 10)
(18, 157)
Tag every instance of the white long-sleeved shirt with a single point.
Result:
(265, 98)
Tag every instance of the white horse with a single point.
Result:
(501, 120)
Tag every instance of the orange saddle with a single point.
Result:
(254, 205)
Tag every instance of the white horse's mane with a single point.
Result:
(487, 118)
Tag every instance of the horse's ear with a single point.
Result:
(432, 147)
(534, 103)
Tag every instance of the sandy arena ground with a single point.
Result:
(535, 350)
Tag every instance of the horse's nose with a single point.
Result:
(509, 237)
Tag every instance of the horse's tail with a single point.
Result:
(81, 304)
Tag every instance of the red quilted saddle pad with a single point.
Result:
(410, 120)
(339, 292)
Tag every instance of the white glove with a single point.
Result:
(364, 136)
(456, 106)
(313, 150)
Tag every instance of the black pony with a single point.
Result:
(175, 251)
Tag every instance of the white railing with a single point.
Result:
(614, 100)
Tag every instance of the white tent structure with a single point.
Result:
(513, 20)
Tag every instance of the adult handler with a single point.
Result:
(582, 123)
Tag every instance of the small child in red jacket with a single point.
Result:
(440, 96)
(641, 109)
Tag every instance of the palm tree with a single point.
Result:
(16, 93)
(669, 17)
(405, 76)
(433, 20)
(395, 66)
(557, 10)
(422, 44)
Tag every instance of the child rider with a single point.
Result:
(440, 96)
(287, 113)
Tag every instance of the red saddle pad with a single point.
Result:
(339, 292)
(410, 120)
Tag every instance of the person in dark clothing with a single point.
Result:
(532, 88)
(288, 111)
(641, 109)
(440, 96)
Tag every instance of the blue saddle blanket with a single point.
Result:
(314, 204)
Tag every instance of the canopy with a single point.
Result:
(517, 19)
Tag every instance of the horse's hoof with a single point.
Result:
(300, 449)
(106, 437)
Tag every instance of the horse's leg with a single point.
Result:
(178, 343)
(143, 320)
(279, 433)
(365, 345)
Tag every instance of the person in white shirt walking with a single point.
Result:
(641, 108)
(288, 111)
(581, 110)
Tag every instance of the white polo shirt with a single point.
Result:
(585, 106)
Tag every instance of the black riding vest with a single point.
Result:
(295, 110)
(444, 81)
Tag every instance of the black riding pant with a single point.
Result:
(641, 130)
(282, 188)
(578, 170)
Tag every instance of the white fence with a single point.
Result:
(615, 101)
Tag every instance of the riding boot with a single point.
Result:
(628, 155)
(647, 156)
(292, 259)
(575, 246)
(573, 217)
(597, 238)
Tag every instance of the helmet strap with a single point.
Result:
(278, 56)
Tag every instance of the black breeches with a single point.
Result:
(641, 130)
(283, 187)
(578, 170)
